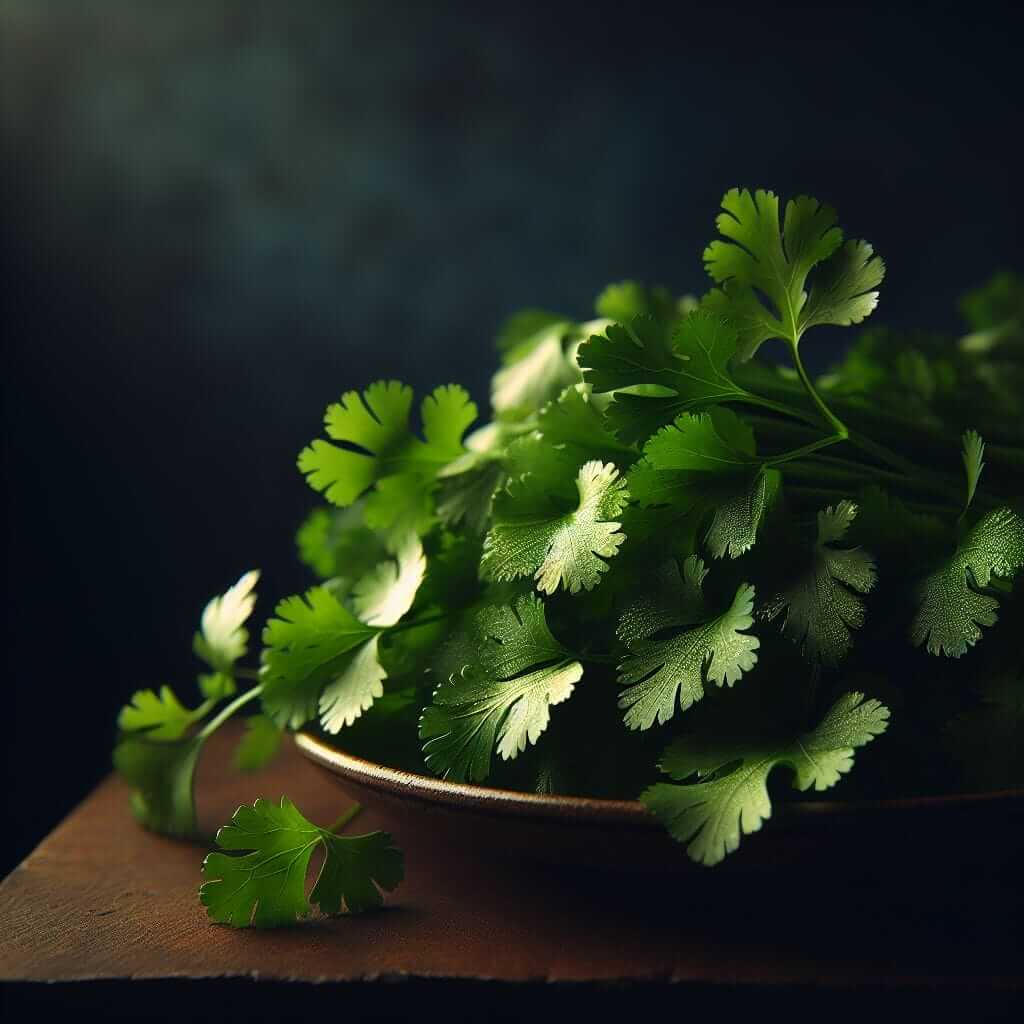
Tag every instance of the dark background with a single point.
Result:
(218, 216)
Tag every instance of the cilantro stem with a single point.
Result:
(429, 620)
(247, 673)
(345, 817)
(827, 414)
(218, 720)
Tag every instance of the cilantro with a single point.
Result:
(644, 476)
(266, 886)
(661, 673)
(821, 608)
(733, 800)
(512, 671)
(531, 534)
(952, 606)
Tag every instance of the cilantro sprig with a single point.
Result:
(659, 537)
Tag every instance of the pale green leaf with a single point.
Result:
(509, 672)
(387, 592)
(712, 815)
(951, 605)
(661, 674)
(973, 457)
(222, 638)
(560, 548)
(259, 744)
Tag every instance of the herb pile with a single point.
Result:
(663, 556)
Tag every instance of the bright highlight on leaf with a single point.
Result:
(820, 609)
(711, 816)
(511, 672)
(221, 639)
(661, 674)
(261, 882)
(952, 607)
(561, 549)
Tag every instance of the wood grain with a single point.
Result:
(101, 898)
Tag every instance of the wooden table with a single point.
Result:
(102, 902)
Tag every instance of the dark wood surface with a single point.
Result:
(101, 899)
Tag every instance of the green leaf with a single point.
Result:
(387, 592)
(706, 463)
(466, 498)
(573, 425)
(765, 258)
(161, 777)
(654, 381)
(380, 446)
(221, 639)
(951, 607)
(659, 674)
(664, 598)
(262, 882)
(628, 299)
(160, 716)
(711, 816)
(336, 542)
(312, 641)
(973, 457)
(259, 745)
(535, 371)
(531, 534)
(217, 686)
(820, 609)
(521, 327)
(511, 672)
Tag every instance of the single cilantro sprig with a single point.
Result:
(262, 880)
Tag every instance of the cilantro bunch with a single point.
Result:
(664, 555)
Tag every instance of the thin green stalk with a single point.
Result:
(837, 425)
(345, 817)
(218, 720)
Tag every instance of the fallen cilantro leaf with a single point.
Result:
(952, 609)
(711, 816)
(821, 608)
(561, 548)
(262, 882)
(659, 674)
(510, 672)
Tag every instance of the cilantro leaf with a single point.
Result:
(161, 776)
(666, 599)
(573, 424)
(221, 639)
(512, 670)
(388, 590)
(375, 427)
(712, 815)
(654, 380)
(311, 641)
(532, 534)
(467, 497)
(535, 371)
(659, 674)
(764, 257)
(161, 716)
(259, 745)
(973, 458)
(336, 542)
(266, 886)
(706, 462)
(625, 300)
(821, 608)
(951, 607)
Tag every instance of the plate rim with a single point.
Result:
(556, 807)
